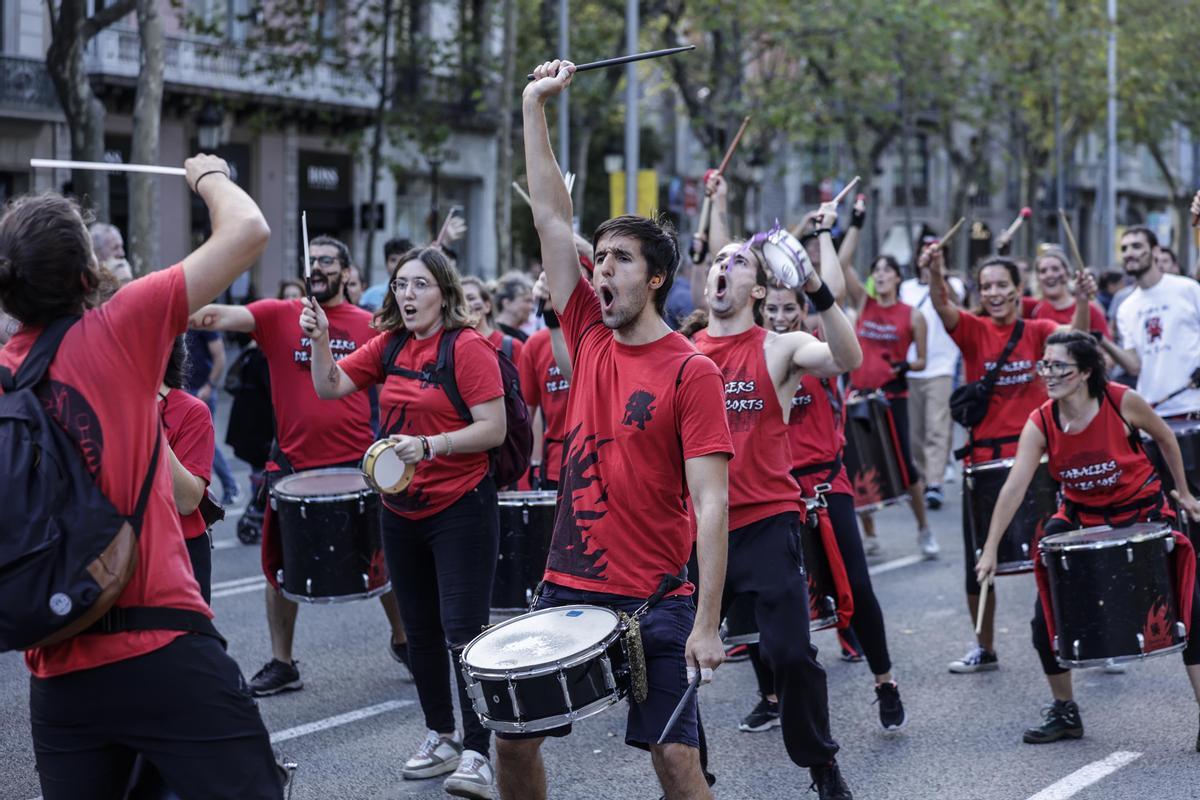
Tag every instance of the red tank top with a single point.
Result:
(760, 481)
(817, 430)
(1098, 466)
(884, 333)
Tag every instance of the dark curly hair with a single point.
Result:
(659, 248)
(1087, 355)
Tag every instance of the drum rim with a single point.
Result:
(371, 457)
(521, 498)
(1125, 659)
(1053, 543)
(280, 494)
(558, 665)
(556, 721)
(323, 600)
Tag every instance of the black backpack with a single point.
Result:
(66, 553)
(510, 461)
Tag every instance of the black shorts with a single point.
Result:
(665, 630)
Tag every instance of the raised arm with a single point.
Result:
(329, 381)
(939, 291)
(239, 231)
(718, 223)
(551, 203)
(1030, 448)
(831, 266)
(218, 317)
(849, 246)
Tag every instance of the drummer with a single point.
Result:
(886, 327)
(441, 535)
(982, 338)
(1087, 415)
(545, 387)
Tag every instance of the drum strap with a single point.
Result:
(834, 468)
(1109, 513)
(973, 444)
(156, 618)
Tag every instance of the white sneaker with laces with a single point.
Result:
(928, 544)
(437, 755)
(473, 778)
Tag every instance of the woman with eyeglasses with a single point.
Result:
(1090, 430)
(982, 337)
(441, 534)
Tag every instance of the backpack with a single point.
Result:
(510, 460)
(66, 553)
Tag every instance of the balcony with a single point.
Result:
(25, 86)
(207, 66)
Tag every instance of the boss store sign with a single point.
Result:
(325, 192)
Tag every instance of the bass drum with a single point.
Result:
(1187, 434)
(526, 526)
(982, 483)
(872, 454)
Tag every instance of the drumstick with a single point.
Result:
(104, 166)
(983, 592)
(1011, 230)
(1062, 217)
(845, 191)
(524, 196)
(691, 690)
(307, 260)
(612, 62)
(948, 235)
(737, 137)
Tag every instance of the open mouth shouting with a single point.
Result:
(722, 286)
(607, 298)
(409, 310)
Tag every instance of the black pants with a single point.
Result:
(442, 569)
(184, 707)
(1041, 634)
(200, 552)
(899, 408)
(867, 621)
(766, 561)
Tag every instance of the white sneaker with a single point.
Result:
(950, 474)
(871, 545)
(473, 778)
(436, 756)
(928, 544)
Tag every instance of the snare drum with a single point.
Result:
(384, 470)
(1113, 594)
(547, 669)
(329, 530)
(526, 526)
(982, 484)
(872, 454)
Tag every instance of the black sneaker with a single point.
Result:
(276, 677)
(934, 498)
(828, 783)
(764, 717)
(400, 654)
(891, 710)
(1062, 721)
(851, 649)
(977, 659)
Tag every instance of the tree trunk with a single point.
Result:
(147, 118)
(504, 192)
(581, 143)
(385, 69)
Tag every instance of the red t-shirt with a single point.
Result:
(622, 520)
(543, 385)
(817, 431)
(1097, 466)
(313, 432)
(412, 407)
(760, 480)
(1018, 391)
(884, 333)
(497, 340)
(1044, 309)
(189, 429)
(102, 389)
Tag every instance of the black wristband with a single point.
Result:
(857, 218)
(901, 368)
(204, 175)
(819, 231)
(822, 298)
(550, 318)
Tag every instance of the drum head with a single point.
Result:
(389, 471)
(319, 483)
(541, 637)
(527, 498)
(781, 262)
(1105, 536)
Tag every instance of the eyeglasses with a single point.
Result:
(324, 261)
(419, 285)
(1055, 369)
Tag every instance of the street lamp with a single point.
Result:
(210, 124)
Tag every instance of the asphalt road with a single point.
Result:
(355, 721)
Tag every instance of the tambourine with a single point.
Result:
(784, 255)
(383, 469)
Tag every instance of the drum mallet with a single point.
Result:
(1062, 218)
(1012, 229)
(983, 598)
(613, 62)
(104, 166)
(307, 260)
(950, 234)
(837, 200)
(687, 693)
(699, 248)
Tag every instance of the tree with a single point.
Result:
(147, 116)
(70, 31)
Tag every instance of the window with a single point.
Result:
(918, 170)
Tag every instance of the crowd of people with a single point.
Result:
(694, 441)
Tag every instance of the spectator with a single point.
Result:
(107, 242)
(354, 286)
(513, 298)
(1110, 283)
(1165, 259)
(290, 289)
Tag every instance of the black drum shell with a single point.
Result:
(982, 484)
(1104, 597)
(872, 463)
(1187, 434)
(526, 527)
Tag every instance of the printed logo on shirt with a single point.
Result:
(742, 403)
(1089, 472)
(340, 342)
(878, 331)
(555, 382)
(1013, 373)
(572, 551)
(1154, 329)
(638, 409)
(73, 412)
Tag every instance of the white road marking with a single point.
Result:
(226, 544)
(1085, 776)
(896, 563)
(219, 585)
(340, 719)
(245, 589)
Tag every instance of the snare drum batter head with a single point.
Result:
(540, 638)
(785, 257)
(1103, 536)
(321, 485)
(384, 470)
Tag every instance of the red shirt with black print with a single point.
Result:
(817, 431)
(545, 387)
(635, 414)
(760, 480)
(884, 334)
(313, 432)
(413, 407)
(102, 389)
(188, 425)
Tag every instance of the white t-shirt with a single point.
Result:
(1162, 324)
(941, 353)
